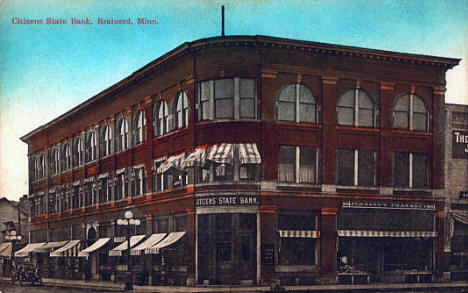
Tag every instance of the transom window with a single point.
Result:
(91, 147)
(410, 113)
(356, 167)
(298, 164)
(356, 108)
(295, 102)
(181, 110)
(410, 170)
(122, 140)
(140, 127)
(106, 141)
(161, 116)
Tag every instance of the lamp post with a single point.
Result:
(128, 221)
(13, 238)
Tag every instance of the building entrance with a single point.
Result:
(227, 248)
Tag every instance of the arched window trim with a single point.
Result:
(410, 118)
(297, 103)
(181, 113)
(357, 108)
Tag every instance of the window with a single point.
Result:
(77, 153)
(161, 117)
(122, 139)
(52, 199)
(356, 108)
(162, 181)
(91, 147)
(227, 99)
(42, 168)
(298, 164)
(140, 184)
(295, 102)
(66, 157)
(140, 127)
(106, 141)
(410, 113)
(54, 162)
(356, 167)
(76, 197)
(181, 110)
(297, 250)
(88, 190)
(410, 170)
(104, 192)
(122, 187)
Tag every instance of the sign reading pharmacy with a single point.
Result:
(459, 144)
(389, 205)
(227, 200)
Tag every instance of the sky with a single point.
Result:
(47, 69)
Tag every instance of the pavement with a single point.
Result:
(374, 287)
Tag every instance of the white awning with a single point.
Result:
(197, 157)
(151, 241)
(117, 251)
(172, 162)
(28, 248)
(169, 240)
(70, 249)
(95, 246)
(299, 234)
(365, 233)
(51, 245)
(249, 154)
(5, 249)
(221, 153)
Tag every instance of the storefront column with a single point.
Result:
(268, 242)
(328, 245)
(441, 260)
(191, 230)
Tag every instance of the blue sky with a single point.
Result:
(46, 70)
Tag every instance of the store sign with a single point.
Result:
(227, 200)
(268, 254)
(389, 205)
(459, 144)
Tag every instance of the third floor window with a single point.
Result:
(410, 113)
(295, 102)
(356, 108)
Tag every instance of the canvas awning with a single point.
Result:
(5, 249)
(248, 154)
(175, 162)
(51, 245)
(151, 241)
(117, 251)
(69, 249)
(93, 247)
(24, 252)
(408, 234)
(221, 153)
(169, 240)
(197, 157)
(299, 234)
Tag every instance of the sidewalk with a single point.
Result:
(110, 286)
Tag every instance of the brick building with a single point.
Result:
(249, 159)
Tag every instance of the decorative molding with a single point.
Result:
(268, 73)
(389, 86)
(331, 80)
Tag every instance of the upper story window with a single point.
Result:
(77, 152)
(91, 147)
(181, 110)
(233, 98)
(140, 182)
(356, 167)
(66, 157)
(295, 102)
(356, 108)
(140, 124)
(122, 139)
(410, 113)
(161, 117)
(42, 164)
(410, 170)
(34, 168)
(298, 164)
(106, 141)
(54, 162)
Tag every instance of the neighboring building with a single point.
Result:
(456, 186)
(254, 159)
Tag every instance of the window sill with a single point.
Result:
(357, 187)
(403, 189)
(358, 128)
(411, 132)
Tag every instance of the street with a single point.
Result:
(7, 288)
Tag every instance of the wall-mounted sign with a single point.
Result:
(463, 195)
(402, 205)
(227, 200)
(459, 144)
(268, 254)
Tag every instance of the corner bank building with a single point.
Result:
(248, 159)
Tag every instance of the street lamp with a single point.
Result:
(128, 221)
(13, 238)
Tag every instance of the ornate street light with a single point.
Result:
(128, 221)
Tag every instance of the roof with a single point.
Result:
(259, 40)
(14, 204)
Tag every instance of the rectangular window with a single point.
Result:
(298, 164)
(247, 99)
(224, 99)
(356, 167)
(345, 164)
(410, 170)
(287, 163)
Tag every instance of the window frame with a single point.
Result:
(411, 112)
(357, 108)
(355, 167)
(297, 103)
(297, 164)
(106, 141)
(91, 145)
(122, 137)
(182, 100)
(66, 157)
(160, 119)
(140, 127)
(411, 171)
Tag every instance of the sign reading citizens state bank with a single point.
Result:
(227, 200)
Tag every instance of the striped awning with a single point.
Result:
(299, 234)
(197, 157)
(169, 240)
(70, 249)
(249, 154)
(221, 153)
(117, 251)
(175, 162)
(365, 233)
(93, 247)
(51, 245)
(151, 241)
(5, 249)
(28, 248)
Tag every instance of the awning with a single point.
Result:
(5, 249)
(409, 234)
(221, 153)
(28, 248)
(249, 154)
(151, 241)
(197, 157)
(175, 162)
(70, 249)
(95, 246)
(299, 234)
(51, 245)
(169, 240)
(117, 251)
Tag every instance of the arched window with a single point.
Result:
(122, 139)
(66, 157)
(91, 147)
(77, 153)
(140, 127)
(410, 113)
(41, 166)
(54, 162)
(181, 110)
(356, 108)
(295, 102)
(106, 141)
(160, 119)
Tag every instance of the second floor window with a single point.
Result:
(410, 170)
(298, 164)
(356, 108)
(295, 102)
(356, 167)
(410, 113)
